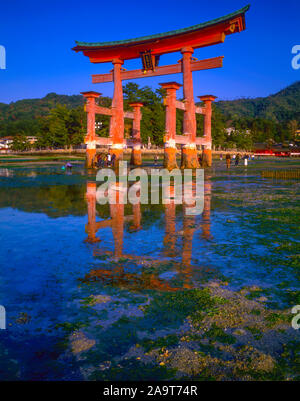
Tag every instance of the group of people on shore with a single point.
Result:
(236, 158)
(104, 160)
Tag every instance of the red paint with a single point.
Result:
(207, 99)
(202, 37)
(170, 103)
(185, 41)
(189, 120)
(116, 129)
(91, 226)
(90, 109)
(137, 116)
(199, 65)
(136, 156)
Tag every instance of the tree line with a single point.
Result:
(64, 125)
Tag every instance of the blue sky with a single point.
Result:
(38, 37)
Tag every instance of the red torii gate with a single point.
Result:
(92, 140)
(150, 48)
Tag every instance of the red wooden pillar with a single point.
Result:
(189, 151)
(136, 155)
(137, 217)
(188, 229)
(170, 128)
(117, 217)
(116, 130)
(90, 139)
(170, 225)
(91, 226)
(206, 210)
(207, 156)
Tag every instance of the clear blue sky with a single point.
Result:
(38, 37)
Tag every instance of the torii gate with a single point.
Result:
(149, 49)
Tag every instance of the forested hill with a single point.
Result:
(280, 107)
(33, 108)
(60, 120)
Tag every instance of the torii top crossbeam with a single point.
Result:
(201, 35)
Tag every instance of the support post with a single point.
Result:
(91, 226)
(137, 217)
(170, 225)
(170, 128)
(206, 210)
(189, 151)
(90, 139)
(188, 232)
(117, 216)
(207, 156)
(116, 129)
(136, 155)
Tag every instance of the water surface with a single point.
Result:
(99, 292)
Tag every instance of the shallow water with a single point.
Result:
(144, 292)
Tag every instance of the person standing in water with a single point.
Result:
(228, 160)
(237, 159)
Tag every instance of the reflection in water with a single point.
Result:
(5, 172)
(171, 250)
(133, 321)
(206, 210)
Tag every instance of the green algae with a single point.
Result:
(167, 341)
(172, 308)
(69, 327)
(216, 333)
(133, 370)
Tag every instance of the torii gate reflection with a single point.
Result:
(170, 251)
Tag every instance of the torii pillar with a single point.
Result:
(116, 129)
(170, 225)
(90, 139)
(207, 156)
(189, 150)
(206, 210)
(91, 227)
(170, 129)
(136, 155)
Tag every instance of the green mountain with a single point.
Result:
(33, 108)
(280, 107)
(276, 117)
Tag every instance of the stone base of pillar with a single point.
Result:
(90, 158)
(189, 157)
(207, 158)
(170, 161)
(136, 157)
